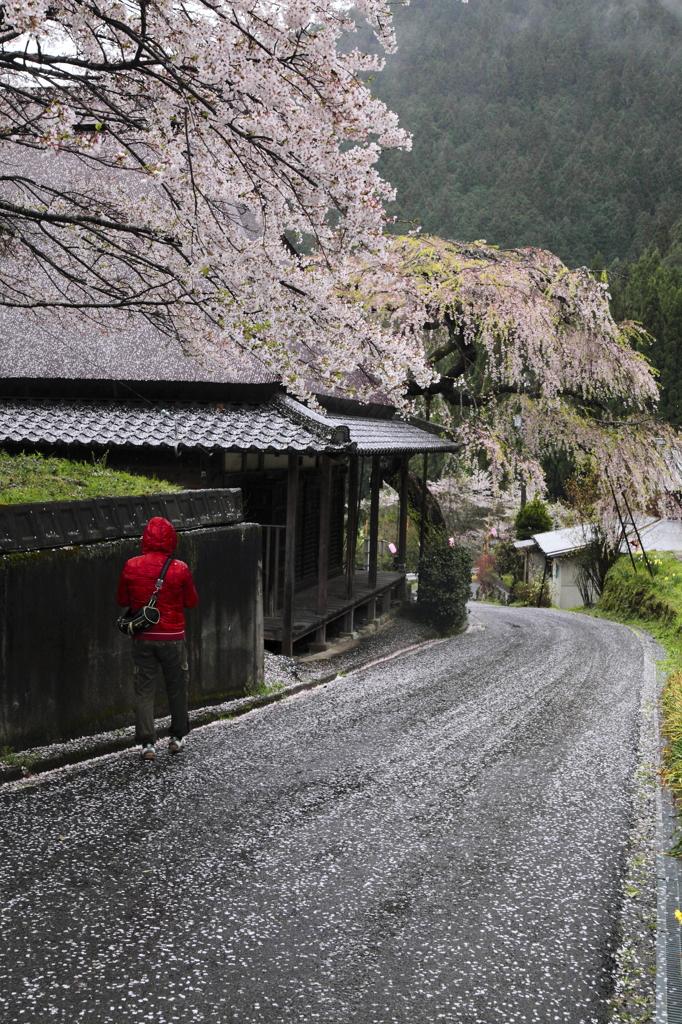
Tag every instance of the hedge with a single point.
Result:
(444, 586)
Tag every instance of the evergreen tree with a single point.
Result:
(550, 123)
(533, 518)
(649, 291)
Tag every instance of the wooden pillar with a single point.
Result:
(351, 537)
(422, 516)
(323, 547)
(290, 556)
(374, 521)
(402, 515)
(352, 525)
(425, 474)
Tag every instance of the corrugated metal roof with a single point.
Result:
(657, 534)
(268, 427)
(563, 542)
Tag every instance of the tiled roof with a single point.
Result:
(280, 425)
(378, 436)
(270, 427)
(375, 436)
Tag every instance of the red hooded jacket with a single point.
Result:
(139, 575)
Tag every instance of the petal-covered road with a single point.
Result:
(438, 838)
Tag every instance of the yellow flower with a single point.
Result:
(678, 915)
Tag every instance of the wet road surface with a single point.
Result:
(439, 838)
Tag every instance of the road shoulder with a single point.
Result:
(636, 979)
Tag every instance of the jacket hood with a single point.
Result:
(159, 535)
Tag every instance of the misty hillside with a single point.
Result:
(554, 123)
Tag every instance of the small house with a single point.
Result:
(554, 556)
(656, 535)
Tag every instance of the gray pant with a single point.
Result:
(171, 655)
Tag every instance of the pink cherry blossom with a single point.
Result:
(527, 363)
(167, 160)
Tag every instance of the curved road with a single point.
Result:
(438, 838)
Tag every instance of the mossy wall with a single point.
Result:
(66, 671)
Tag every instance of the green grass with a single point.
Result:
(653, 603)
(22, 760)
(671, 705)
(27, 478)
(265, 689)
(636, 593)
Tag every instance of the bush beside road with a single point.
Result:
(653, 601)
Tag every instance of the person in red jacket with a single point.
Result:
(163, 644)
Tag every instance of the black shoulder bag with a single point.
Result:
(131, 623)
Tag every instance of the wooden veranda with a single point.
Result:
(302, 611)
(307, 620)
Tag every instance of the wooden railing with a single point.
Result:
(273, 568)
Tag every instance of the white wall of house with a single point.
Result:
(563, 585)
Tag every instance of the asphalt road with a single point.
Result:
(438, 838)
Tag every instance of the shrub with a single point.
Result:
(533, 518)
(635, 595)
(444, 587)
(529, 594)
(509, 561)
(594, 563)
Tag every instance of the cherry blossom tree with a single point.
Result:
(528, 363)
(208, 165)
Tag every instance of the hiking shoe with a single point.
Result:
(175, 745)
(148, 752)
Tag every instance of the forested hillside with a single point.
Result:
(553, 123)
(649, 290)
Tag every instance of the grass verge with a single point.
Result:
(25, 760)
(265, 689)
(27, 478)
(636, 598)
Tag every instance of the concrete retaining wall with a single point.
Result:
(65, 670)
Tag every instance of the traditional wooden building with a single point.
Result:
(200, 424)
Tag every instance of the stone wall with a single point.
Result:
(65, 670)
